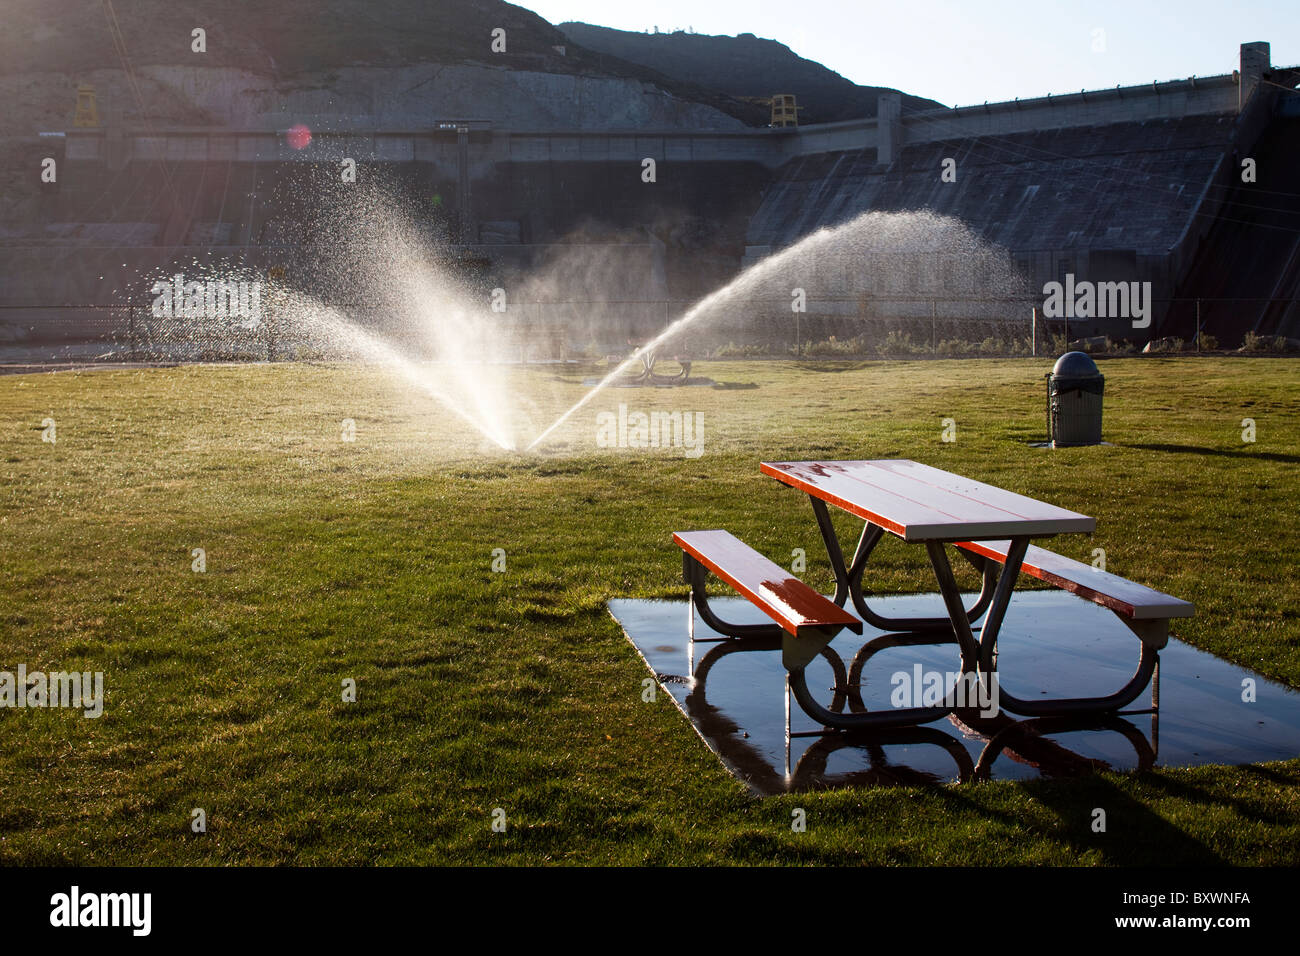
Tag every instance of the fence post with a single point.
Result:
(130, 323)
(1198, 325)
(1033, 332)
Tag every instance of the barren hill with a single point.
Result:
(743, 65)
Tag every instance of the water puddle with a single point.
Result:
(1051, 644)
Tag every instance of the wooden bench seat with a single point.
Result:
(1145, 610)
(796, 607)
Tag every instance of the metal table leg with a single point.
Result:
(957, 617)
(848, 579)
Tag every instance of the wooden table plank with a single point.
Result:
(961, 487)
(920, 503)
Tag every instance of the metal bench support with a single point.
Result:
(1154, 633)
(848, 579)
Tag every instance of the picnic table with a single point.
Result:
(648, 358)
(917, 504)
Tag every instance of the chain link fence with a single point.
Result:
(565, 330)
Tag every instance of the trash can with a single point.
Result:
(1074, 392)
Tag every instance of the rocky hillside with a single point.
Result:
(742, 66)
(332, 49)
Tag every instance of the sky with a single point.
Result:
(961, 53)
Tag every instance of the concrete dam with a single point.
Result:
(1133, 184)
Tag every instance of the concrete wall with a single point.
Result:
(494, 143)
(1094, 201)
(1115, 185)
(1113, 179)
(488, 146)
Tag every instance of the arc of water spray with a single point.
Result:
(326, 318)
(885, 228)
(690, 315)
(751, 275)
(448, 327)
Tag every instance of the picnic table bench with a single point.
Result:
(795, 607)
(990, 527)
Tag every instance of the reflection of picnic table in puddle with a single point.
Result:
(1027, 742)
(1024, 741)
(810, 771)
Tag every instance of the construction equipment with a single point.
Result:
(87, 114)
(784, 110)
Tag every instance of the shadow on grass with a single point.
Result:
(1134, 836)
(1206, 795)
(831, 365)
(1271, 775)
(1222, 452)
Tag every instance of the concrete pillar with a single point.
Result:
(1255, 60)
(889, 127)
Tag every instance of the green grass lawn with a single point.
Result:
(372, 560)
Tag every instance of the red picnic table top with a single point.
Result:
(919, 503)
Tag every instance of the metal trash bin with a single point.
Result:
(1074, 393)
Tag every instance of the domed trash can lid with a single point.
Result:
(1076, 373)
(1075, 365)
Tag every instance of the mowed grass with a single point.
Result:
(371, 560)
